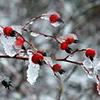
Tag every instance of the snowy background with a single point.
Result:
(81, 17)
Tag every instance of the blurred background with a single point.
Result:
(81, 17)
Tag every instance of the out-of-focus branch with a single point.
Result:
(71, 73)
(60, 87)
(15, 57)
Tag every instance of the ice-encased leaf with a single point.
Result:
(34, 34)
(87, 63)
(32, 72)
(48, 61)
(8, 45)
(98, 66)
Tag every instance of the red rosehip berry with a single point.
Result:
(90, 53)
(56, 68)
(37, 57)
(54, 18)
(7, 30)
(64, 45)
(70, 39)
(19, 41)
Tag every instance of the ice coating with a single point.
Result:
(32, 72)
(34, 34)
(8, 45)
(48, 61)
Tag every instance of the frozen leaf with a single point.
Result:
(94, 66)
(87, 63)
(34, 34)
(48, 61)
(98, 66)
(32, 72)
(8, 44)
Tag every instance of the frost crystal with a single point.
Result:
(33, 71)
(8, 44)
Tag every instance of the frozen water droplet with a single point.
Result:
(90, 74)
(32, 72)
(56, 24)
(31, 22)
(45, 17)
(34, 34)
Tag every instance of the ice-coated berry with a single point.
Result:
(90, 53)
(7, 30)
(54, 18)
(70, 39)
(37, 57)
(64, 46)
(56, 68)
(19, 41)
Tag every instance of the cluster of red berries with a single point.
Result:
(38, 58)
(8, 31)
(69, 40)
